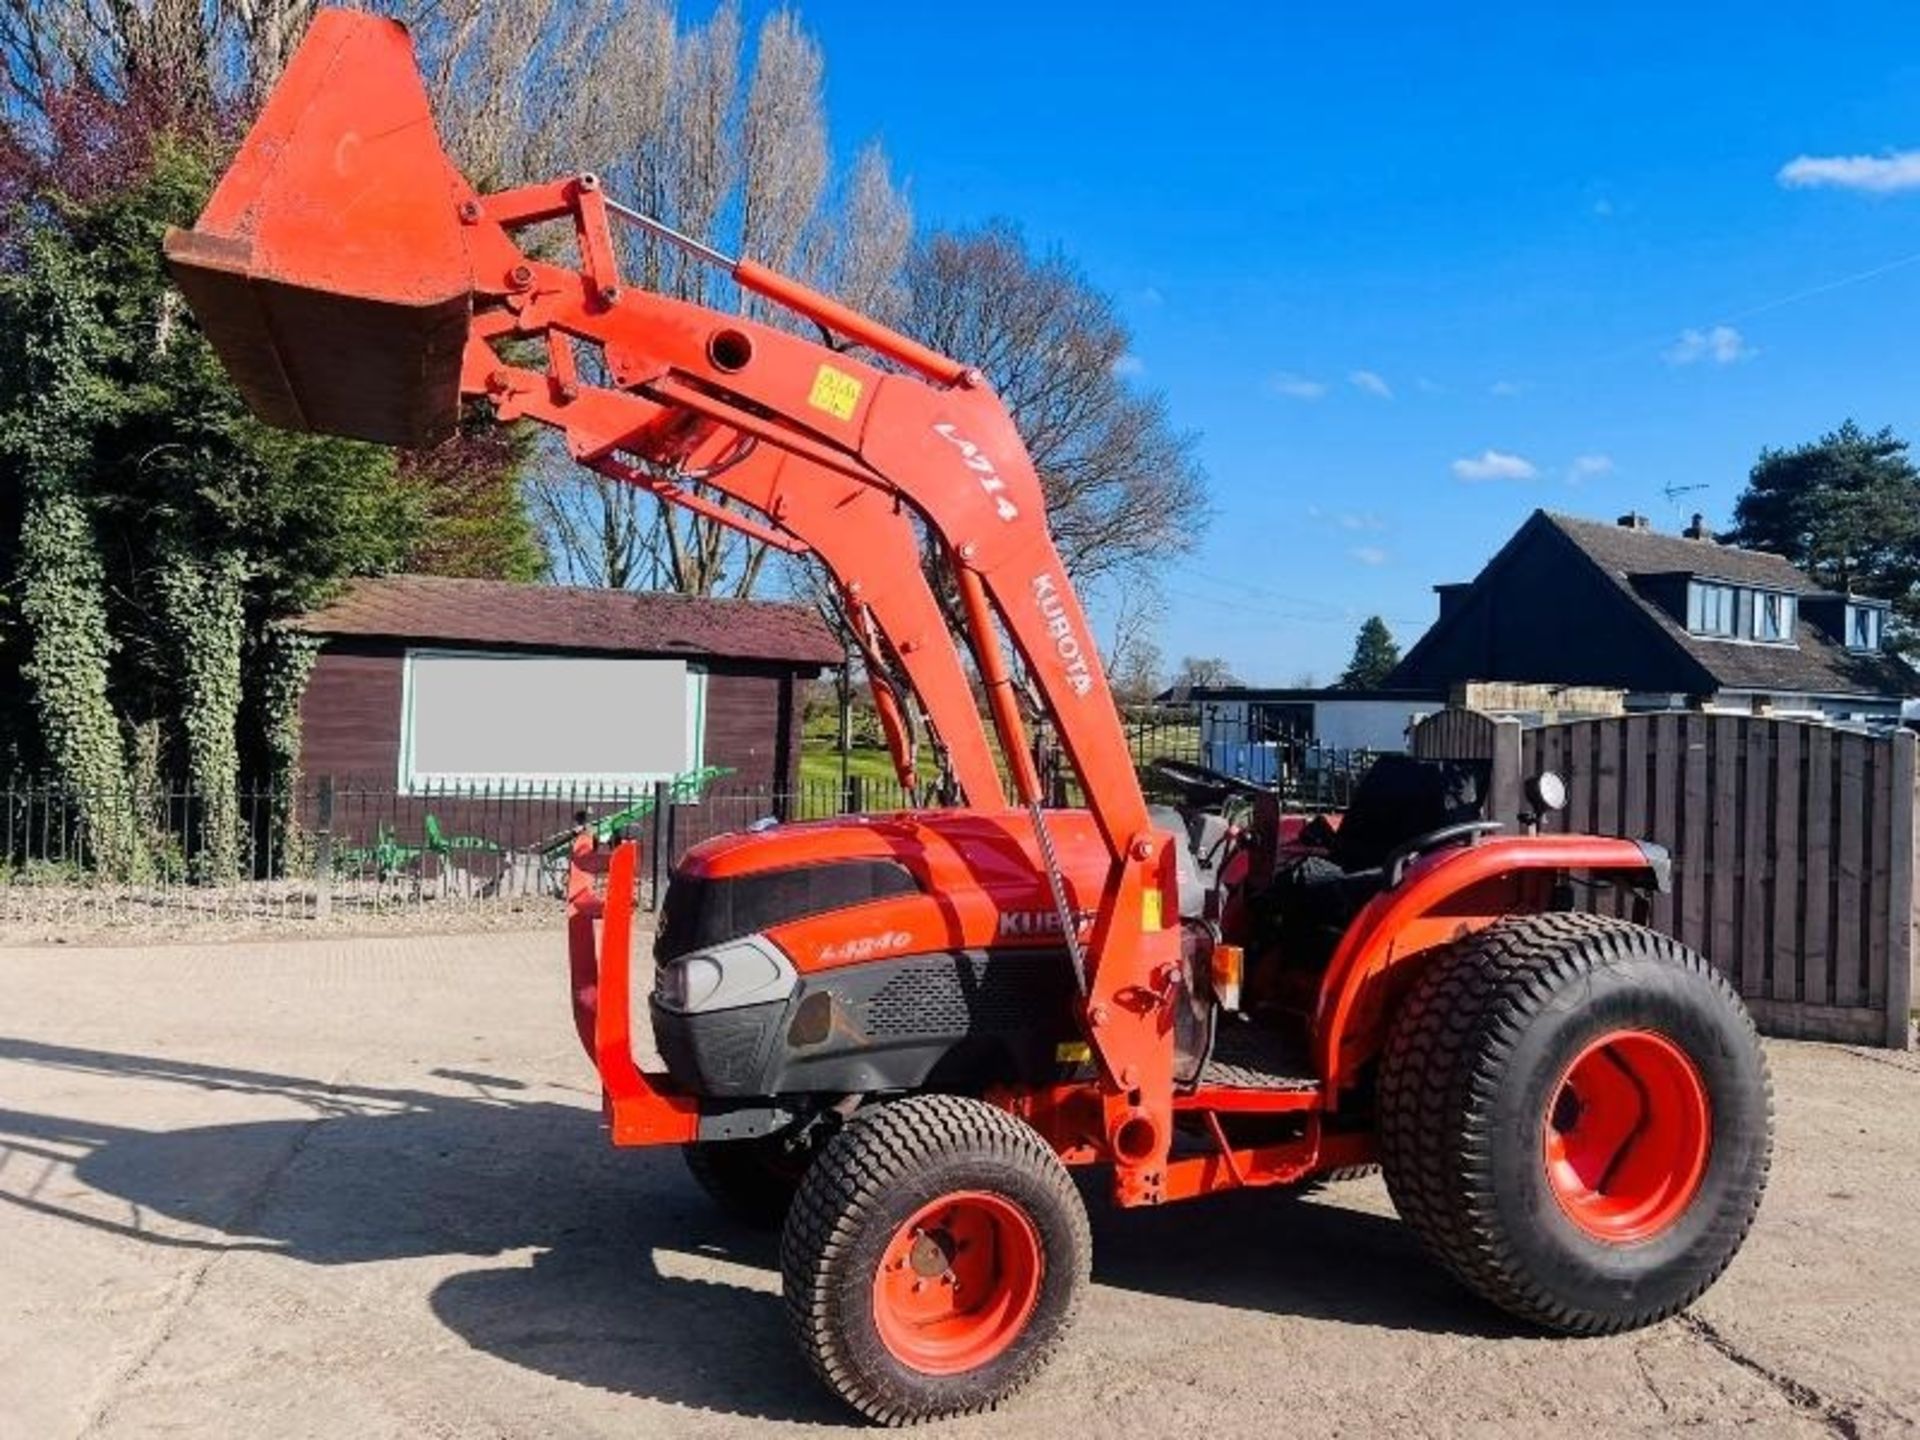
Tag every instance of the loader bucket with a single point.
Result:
(330, 266)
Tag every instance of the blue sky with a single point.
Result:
(1415, 271)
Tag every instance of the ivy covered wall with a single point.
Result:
(157, 538)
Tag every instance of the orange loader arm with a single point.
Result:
(355, 284)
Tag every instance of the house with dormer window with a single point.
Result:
(1675, 621)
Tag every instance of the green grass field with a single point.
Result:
(820, 763)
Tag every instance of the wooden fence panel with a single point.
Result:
(1873, 976)
(1723, 794)
(1848, 908)
(1784, 854)
(1794, 848)
(1823, 779)
(1690, 862)
(1900, 891)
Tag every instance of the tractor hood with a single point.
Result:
(988, 840)
(855, 888)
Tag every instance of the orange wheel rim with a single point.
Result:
(1627, 1132)
(958, 1282)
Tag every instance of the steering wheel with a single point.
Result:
(1191, 775)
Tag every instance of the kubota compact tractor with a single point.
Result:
(900, 1033)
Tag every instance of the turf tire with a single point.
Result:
(868, 1181)
(1472, 1064)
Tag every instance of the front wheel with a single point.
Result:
(1576, 1118)
(752, 1180)
(933, 1259)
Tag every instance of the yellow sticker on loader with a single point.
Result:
(835, 392)
(1150, 917)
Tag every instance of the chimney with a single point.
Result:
(1634, 521)
(1698, 529)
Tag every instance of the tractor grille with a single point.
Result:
(722, 1052)
(968, 995)
(699, 911)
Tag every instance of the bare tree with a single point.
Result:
(1132, 656)
(870, 239)
(783, 143)
(741, 163)
(1124, 492)
(1135, 673)
(598, 532)
(1203, 672)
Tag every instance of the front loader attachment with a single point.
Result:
(330, 267)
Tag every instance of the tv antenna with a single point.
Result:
(1674, 492)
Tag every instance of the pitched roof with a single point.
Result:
(1623, 551)
(1814, 664)
(558, 617)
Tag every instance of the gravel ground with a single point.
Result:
(355, 1188)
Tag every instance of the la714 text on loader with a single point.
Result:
(898, 1035)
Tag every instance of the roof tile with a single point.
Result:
(558, 617)
(1813, 665)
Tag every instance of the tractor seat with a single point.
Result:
(1401, 798)
(1312, 901)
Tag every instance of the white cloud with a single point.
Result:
(1151, 297)
(1506, 389)
(1718, 345)
(1371, 382)
(1494, 465)
(1296, 387)
(1129, 366)
(1369, 554)
(1589, 467)
(1878, 174)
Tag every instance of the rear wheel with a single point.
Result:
(1576, 1118)
(933, 1259)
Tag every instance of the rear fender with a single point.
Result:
(1443, 896)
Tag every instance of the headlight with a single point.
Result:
(688, 983)
(747, 971)
(670, 985)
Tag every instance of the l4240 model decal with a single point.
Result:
(982, 465)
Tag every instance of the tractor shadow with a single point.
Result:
(636, 1285)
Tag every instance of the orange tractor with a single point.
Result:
(899, 1035)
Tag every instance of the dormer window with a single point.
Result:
(1772, 618)
(1864, 626)
(1734, 612)
(1711, 608)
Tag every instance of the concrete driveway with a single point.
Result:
(356, 1188)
